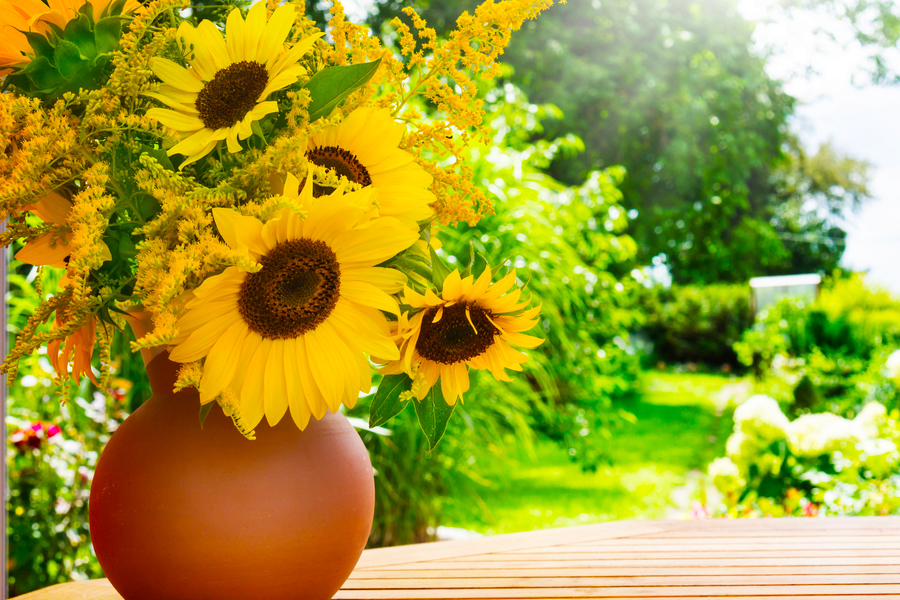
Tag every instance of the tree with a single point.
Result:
(672, 91)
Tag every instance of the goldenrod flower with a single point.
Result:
(471, 324)
(51, 249)
(224, 90)
(17, 16)
(293, 334)
(364, 148)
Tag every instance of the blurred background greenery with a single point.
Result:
(643, 167)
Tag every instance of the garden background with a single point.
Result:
(644, 164)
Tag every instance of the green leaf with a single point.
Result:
(471, 262)
(434, 413)
(43, 74)
(330, 86)
(204, 410)
(114, 8)
(107, 34)
(79, 33)
(69, 60)
(386, 404)
(39, 44)
(439, 270)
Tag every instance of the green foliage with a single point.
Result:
(49, 476)
(675, 93)
(71, 58)
(696, 324)
(414, 478)
(331, 86)
(567, 244)
(818, 464)
(828, 354)
(846, 319)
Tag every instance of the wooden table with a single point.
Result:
(765, 558)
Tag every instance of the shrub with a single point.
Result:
(696, 324)
(818, 464)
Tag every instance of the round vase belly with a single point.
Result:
(186, 513)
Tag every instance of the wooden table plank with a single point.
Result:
(774, 559)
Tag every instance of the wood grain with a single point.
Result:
(773, 559)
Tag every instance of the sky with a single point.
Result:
(860, 120)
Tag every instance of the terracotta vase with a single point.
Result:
(186, 513)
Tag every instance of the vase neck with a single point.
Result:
(162, 373)
(141, 322)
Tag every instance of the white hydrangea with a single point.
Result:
(879, 456)
(892, 365)
(822, 433)
(871, 418)
(726, 475)
(761, 417)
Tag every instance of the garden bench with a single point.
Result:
(852, 557)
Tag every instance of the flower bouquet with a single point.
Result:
(259, 201)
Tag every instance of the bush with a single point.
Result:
(847, 319)
(818, 464)
(696, 324)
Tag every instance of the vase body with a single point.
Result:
(189, 513)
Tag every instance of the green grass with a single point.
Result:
(678, 430)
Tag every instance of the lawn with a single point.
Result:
(653, 464)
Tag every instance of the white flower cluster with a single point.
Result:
(822, 433)
(759, 422)
(892, 365)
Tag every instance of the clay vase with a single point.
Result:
(186, 513)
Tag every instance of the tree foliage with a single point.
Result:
(672, 91)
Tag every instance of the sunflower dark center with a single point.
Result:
(344, 164)
(231, 94)
(453, 339)
(295, 291)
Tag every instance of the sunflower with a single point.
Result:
(471, 324)
(79, 348)
(17, 16)
(51, 249)
(294, 334)
(364, 148)
(224, 90)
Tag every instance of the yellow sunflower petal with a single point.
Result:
(374, 244)
(234, 36)
(214, 48)
(238, 231)
(253, 386)
(202, 340)
(175, 75)
(276, 33)
(368, 326)
(311, 391)
(367, 294)
(52, 208)
(222, 362)
(275, 399)
(389, 280)
(40, 251)
(176, 120)
(299, 408)
(254, 27)
(327, 369)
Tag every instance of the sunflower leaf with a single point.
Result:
(42, 74)
(439, 271)
(434, 414)
(330, 86)
(40, 44)
(107, 34)
(69, 60)
(204, 410)
(386, 404)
